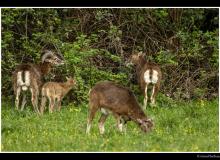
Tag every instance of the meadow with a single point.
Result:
(179, 127)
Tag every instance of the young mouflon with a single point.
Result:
(55, 92)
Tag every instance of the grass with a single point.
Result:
(179, 127)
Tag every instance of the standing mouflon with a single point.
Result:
(29, 77)
(147, 73)
(55, 92)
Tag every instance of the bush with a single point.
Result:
(97, 42)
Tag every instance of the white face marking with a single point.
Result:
(147, 76)
(154, 77)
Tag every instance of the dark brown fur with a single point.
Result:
(118, 100)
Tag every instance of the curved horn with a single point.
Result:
(60, 54)
(58, 51)
(46, 54)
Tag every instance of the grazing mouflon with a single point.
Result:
(111, 98)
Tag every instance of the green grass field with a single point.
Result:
(179, 127)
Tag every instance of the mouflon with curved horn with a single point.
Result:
(29, 77)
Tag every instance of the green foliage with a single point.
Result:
(166, 57)
(179, 127)
(80, 64)
(183, 41)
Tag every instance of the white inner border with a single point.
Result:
(97, 151)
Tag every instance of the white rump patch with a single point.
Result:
(153, 79)
(27, 78)
(147, 76)
(24, 88)
(19, 79)
(26, 82)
